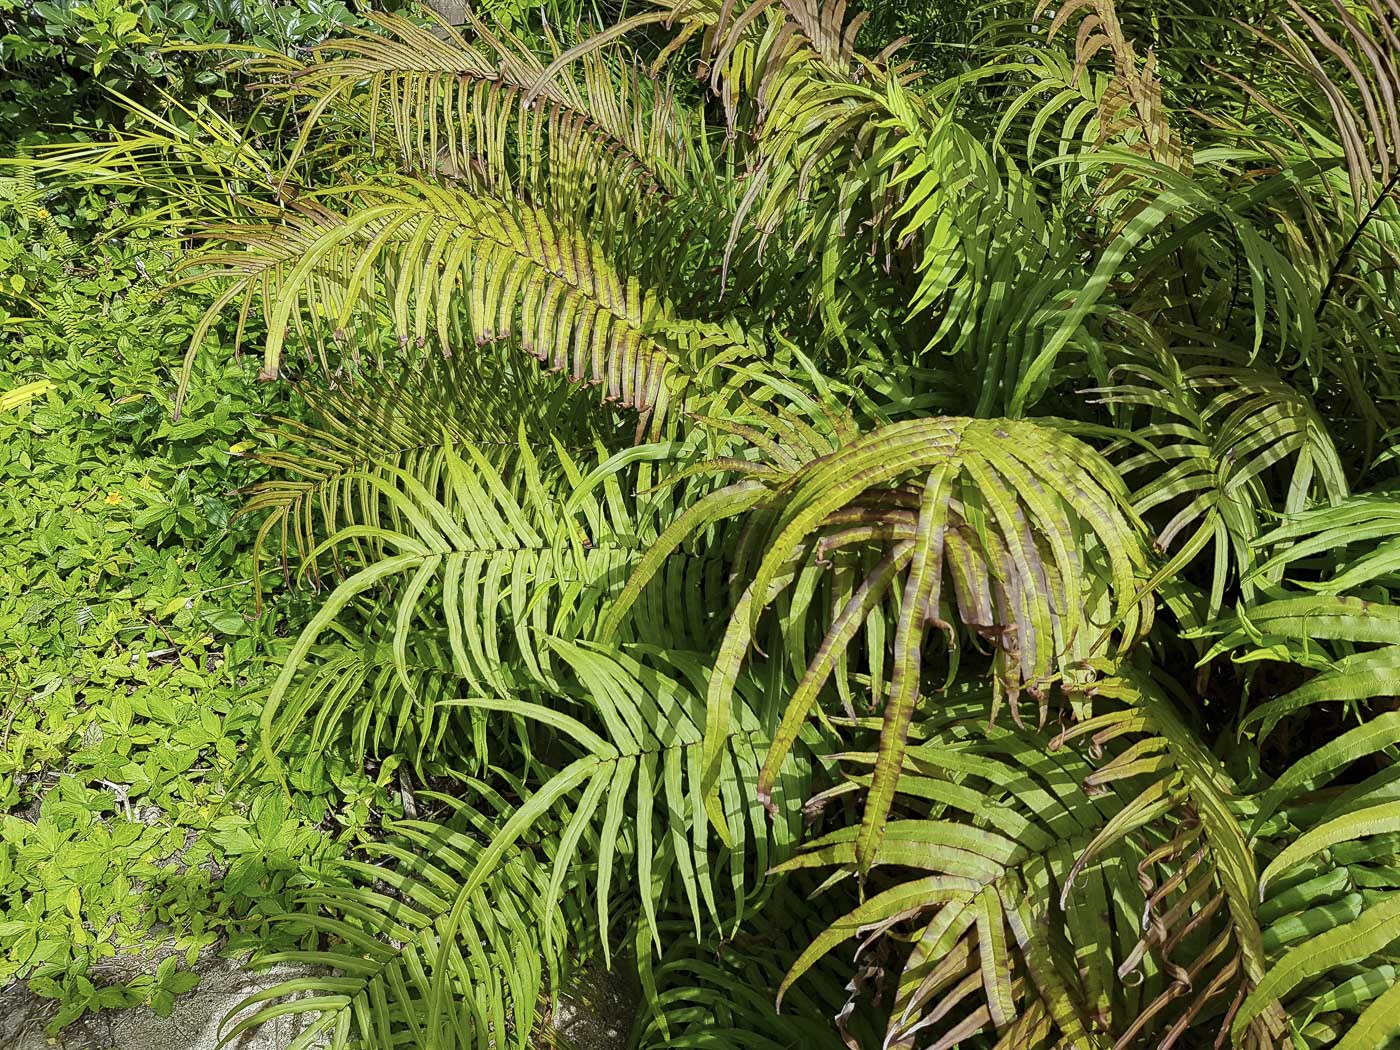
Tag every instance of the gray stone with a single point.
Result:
(453, 12)
(596, 1013)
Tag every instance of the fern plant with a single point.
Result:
(965, 620)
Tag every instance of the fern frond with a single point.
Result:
(201, 164)
(1002, 509)
(992, 950)
(485, 112)
(1212, 435)
(387, 941)
(717, 994)
(1331, 893)
(1201, 881)
(636, 769)
(1362, 98)
(1353, 541)
(477, 552)
(402, 418)
(983, 871)
(410, 260)
(1289, 629)
(1132, 103)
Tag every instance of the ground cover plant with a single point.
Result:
(132, 666)
(72, 65)
(885, 551)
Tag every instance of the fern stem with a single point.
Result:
(1351, 243)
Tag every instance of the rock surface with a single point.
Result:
(595, 1014)
(453, 11)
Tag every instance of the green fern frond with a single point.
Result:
(1290, 630)
(1202, 879)
(1018, 918)
(199, 164)
(1331, 894)
(409, 260)
(1352, 542)
(969, 911)
(633, 772)
(387, 941)
(402, 418)
(1211, 436)
(484, 112)
(1002, 509)
(1365, 111)
(485, 551)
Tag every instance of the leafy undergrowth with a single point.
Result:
(132, 665)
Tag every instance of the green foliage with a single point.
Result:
(661, 673)
(66, 62)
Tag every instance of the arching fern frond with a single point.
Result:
(1198, 871)
(1331, 891)
(1211, 436)
(1016, 905)
(483, 553)
(416, 260)
(1132, 105)
(384, 945)
(988, 826)
(1353, 544)
(399, 418)
(1290, 630)
(1004, 511)
(614, 803)
(761, 50)
(1351, 55)
(484, 112)
(1342, 84)
(716, 994)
